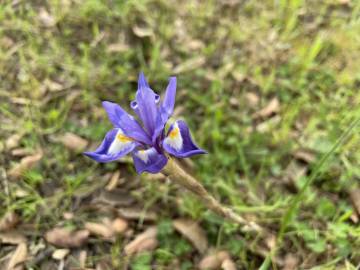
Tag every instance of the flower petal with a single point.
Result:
(179, 143)
(115, 145)
(166, 107)
(169, 99)
(145, 105)
(149, 160)
(142, 81)
(121, 119)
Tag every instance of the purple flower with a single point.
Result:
(147, 143)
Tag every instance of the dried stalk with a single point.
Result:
(179, 176)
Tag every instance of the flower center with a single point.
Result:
(174, 133)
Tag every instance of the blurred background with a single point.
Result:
(267, 87)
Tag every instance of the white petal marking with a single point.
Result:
(174, 138)
(143, 155)
(120, 143)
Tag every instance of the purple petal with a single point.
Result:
(142, 81)
(149, 160)
(179, 143)
(145, 105)
(121, 119)
(166, 107)
(169, 99)
(114, 146)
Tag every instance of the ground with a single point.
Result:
(267, 87)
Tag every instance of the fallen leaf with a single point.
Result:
(9, 221)
(252, 99)
(145, 241)
(115, 197)
(228, 264)
(271, 108)
(25, 164)
(45, 18)
(142, 31)
(119, 225)
(82, 259)
(99, 229)
(13, 141)
(355, 199)
(117, 47)
(18, 257)
(68, 215)
(12, 237)
(21, 152)
(62, 237)
(193, 232)
(53, 86)
(73, 142)
(136, 213)
(290, 262)
(269, 124)
(305, 155)
(60, 254)
(270, 241)
(113, 182)
(214, 260)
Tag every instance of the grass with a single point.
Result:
(60, 59)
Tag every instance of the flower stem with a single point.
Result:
(181, 177)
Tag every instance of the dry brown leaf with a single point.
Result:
(291, 262)
(82, 259)
(355, 199)
(305, 155)
(12, 237)
(117, 47)
(252, 99)
(60, 254)
(193, 232)
(272, 107)
(142, 31)
(145, 241)
(68, 215)
(100, 229)
(62, 237)
(9, 221)
(18, 257)
(114, 180)
(53, 86)
(119, 225)
(214, 260)
(135, 213)
(13, 141)
(73, 142)
(45, 18)
(115, 197)
(354, 218)
(21, 152)
(228, 264)
(25, 164)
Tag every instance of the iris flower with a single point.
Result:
(148, 142)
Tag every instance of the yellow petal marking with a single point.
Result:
(124, 139)
(174, 133)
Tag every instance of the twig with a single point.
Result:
(179, 176)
